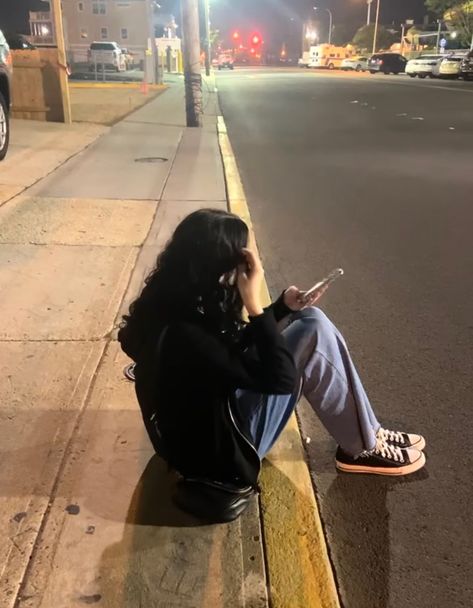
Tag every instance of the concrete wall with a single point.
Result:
(36, 88)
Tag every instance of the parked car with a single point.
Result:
(359, 64)
(108, 54)
(17, 42)
(448, 67)
(225, 61)
(466, 67)
(387, 63)
(422, 66)
(5, 96)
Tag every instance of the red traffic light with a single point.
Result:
(252, 51)
(256, 39)
(236, 35)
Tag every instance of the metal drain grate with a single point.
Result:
(151, 159)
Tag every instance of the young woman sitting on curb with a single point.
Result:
(216, 392)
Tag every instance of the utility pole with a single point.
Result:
(61, 59)
(154, 77)
(191, 51)
(375, 36)
(207, 37)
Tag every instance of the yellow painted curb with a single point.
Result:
(299, 570)
(115, 85)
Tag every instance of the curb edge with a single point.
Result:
(300, 573)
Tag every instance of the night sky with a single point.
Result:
(278, 20)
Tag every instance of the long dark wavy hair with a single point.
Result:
(191, 281)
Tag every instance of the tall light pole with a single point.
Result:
(316, 8)
(207, 36)
(438, 34)
(368, 16)
(375, 35)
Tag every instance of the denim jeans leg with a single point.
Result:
(330, 383)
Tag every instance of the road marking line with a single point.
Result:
(299, 570)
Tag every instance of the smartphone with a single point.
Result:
(338, 272)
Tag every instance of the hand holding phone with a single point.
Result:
(308, 296)
(295, 299)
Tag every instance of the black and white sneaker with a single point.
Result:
(129, 372)
(385, 459)
(402, 440)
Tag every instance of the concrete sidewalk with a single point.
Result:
(85, 506)
(38, 148)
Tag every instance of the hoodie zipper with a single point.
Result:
(255, 486)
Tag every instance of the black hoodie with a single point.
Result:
(185, 384)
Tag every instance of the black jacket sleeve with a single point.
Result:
(271, 370)
(279, 310)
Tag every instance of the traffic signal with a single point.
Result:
(255, 39)
(236, 35)
(252, 51)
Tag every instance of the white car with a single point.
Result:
(359, 64)
(422, 66)
(106, 54)
(449, 67)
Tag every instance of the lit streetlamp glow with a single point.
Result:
(311, 35)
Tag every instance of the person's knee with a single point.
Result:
(313, 313)
(316, 321)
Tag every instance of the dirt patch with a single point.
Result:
(106, 106)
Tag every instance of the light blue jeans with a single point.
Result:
(329, 382)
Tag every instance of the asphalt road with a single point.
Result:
(375, 174)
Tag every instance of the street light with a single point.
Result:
(439, 29)
(316, 8)
(311, 35)
(368, 16)
(207, 36)
(375, 35)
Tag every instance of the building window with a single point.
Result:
(124, 33)
(104, 33)
(83, 32)
(99, 8)
(80, 6)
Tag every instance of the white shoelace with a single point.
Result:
(386, 450)
(388, 435)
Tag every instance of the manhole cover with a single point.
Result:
(151, 159)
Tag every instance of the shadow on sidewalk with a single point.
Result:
(151, 503)
(166, 558)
